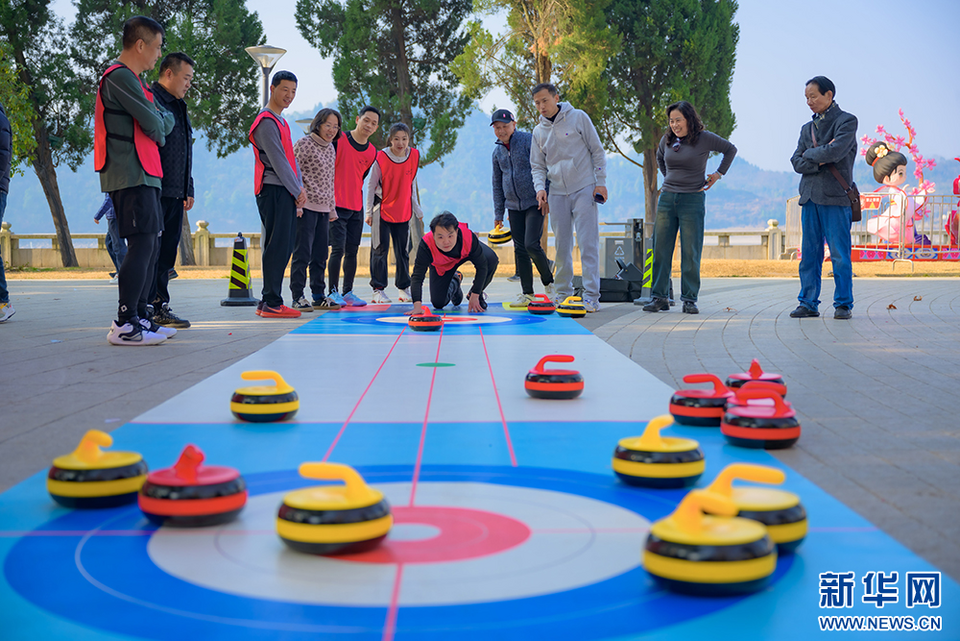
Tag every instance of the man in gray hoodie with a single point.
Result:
(566, 150)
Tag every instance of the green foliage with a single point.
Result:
(15, 98)
(224, 98)
(394, 55)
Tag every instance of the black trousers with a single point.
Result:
(139, 220)
(278, 213)
(445, 289)
(400, 233)
(345, 233)
(172, 210)
(310, 250)
(526, 227)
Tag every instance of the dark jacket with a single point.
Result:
(836, 133)
(176, 155)
(512, 179)
(6, 151)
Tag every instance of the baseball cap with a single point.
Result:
(502, 115)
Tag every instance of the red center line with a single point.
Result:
(423, 430)
(390, 626)
(360, 400)
(503, 419)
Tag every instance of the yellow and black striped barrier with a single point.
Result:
(238, 292)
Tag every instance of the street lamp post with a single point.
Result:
(267, 57)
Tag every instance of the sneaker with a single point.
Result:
(302, 304)
(657, 305)
(353, 300)
(550, 290)
(151, 326)
(483, 300)
(515, 278)
(281, 311)
(326, 304)
(379, 297)
(337, 298)
(171, 274)
(114, 280)
(522, 301)
(690, 307)
(113, 274)
(456, 289)
(842, 313)
(405, 296)
(6, 311)
(259, 307)
(803, 311)
(591, 306)
(552, 265)
(150, 311)
(167, 318)
(131, 333)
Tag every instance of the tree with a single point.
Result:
(34, 36)
(395, 55)
(566, 42)
(15, 98)
(672, 50)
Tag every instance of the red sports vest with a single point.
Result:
(147, 150)
(443, 263)
(285, 140)
(396, 185)
(350, 168)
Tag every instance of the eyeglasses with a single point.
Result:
(328, 126)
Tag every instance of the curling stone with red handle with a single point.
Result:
(750, 424)
(541, 305)
(553, 383)
(702, 554)
(755, 373)
(658, 461)
(191, 494)
(88, 477)
(264, 403)
(698, 407)
(776, 387)
(425, 322)
(333, 519)
(780, 511)
(572, 307)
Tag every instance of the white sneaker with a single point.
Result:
(114, 280)
(380, 297)
(150, 326)
(6, 311)
(591, 306)
(405, 296)
(302, 305)
(132, 334)
(550, 290)
(522, 301)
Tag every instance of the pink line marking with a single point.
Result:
(503, 419)
(390, 626)
(423, 431)
(360, 400)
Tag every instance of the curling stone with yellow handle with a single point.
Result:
(698, 553)
(572, 307)
(541, 305)
(499, 235)
(264, 403)
(333, 519)
(91, 478)
(553, 383)
(779, 510)
(755, 373)
(655, 461)
(191, 494)
(699, 407)
(755, 425)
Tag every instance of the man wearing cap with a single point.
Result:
(513, 190)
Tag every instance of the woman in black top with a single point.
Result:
(682, 156)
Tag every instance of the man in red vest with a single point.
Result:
(128, 129)
(279, 189)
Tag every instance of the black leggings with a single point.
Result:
(399, 232)
(526, 226)
(345, 233)
(136, 275)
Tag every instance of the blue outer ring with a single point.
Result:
(137, 598)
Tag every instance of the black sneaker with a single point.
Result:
(843, 313)
(150, 312)
(171, 274)
(657, 305)
(166, 318)
(803, 311)
(690, 307)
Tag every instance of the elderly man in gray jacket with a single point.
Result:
(566, 150)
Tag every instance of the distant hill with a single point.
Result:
(747, 197)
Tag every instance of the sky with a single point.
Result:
(883, 55)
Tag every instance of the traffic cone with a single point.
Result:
(238, 292)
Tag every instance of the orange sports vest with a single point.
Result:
(147, 150)
(443, 263)
(351, 166)
(285, 140)
(396, 185)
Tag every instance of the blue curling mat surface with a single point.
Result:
(509, 521)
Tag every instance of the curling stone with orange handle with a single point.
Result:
(776, 387)
(191, 494)
(333, 519)
(656, 461)
(553, 383)
(264, 403)
(541, 305)
(698, 407)
(780, 511)
(755, 373)
(425, 322)
(572, 307)
(91, 478)
(702, 554)
(750, 424)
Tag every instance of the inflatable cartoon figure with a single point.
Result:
(952, 220)
(890, 170)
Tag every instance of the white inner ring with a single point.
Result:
(480, 319)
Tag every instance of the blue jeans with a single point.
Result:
(116, 246)
(830, 223)
(683, 213)
(4, 294)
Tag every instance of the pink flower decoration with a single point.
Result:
(900, 141)
(900, 112)
(906, 123)
(931, 163)
(880, 129)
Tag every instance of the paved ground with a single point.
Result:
(877, 396)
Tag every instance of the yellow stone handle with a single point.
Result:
(267, 375)
(357, 488)
(723, 484)
(569, 300)
(651, 439)
(689, 514)
(88, 450)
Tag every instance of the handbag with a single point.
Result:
(851, 191)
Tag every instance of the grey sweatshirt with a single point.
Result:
(568, 152)
(276, 169)
(512, 179)
(684, 170)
